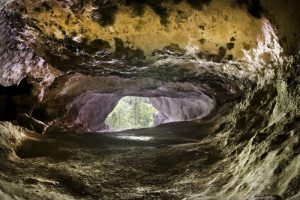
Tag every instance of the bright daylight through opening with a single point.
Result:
(130, 113)
(150, 99)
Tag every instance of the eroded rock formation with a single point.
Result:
(176, 109)
(231, 68)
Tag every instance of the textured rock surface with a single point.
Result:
(233, 65)
(175, 109)
(89, 111)
(171, 43)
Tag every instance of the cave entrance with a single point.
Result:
(132, 113)
(113, 112)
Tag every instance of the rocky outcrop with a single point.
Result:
(175, 109)
(264, 129)
(30, 123)
(232, 65)
(89, 111)
(172, 43)
(17, 58)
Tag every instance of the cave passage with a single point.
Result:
(130, 113)
(150, 99)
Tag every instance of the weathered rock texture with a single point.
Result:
(230, 66)
(176, 109)
(89, 111)
(217, 47)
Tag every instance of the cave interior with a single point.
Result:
(150, 99)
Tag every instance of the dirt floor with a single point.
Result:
(137, 164)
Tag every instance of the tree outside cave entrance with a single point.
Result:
(131, 113)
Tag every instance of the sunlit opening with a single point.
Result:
(130, 113)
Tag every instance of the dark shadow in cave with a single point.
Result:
(15, 99)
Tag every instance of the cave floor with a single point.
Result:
(62, 165)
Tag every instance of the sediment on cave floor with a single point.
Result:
(164, 99)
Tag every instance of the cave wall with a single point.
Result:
(89, 111)
(16, 99)
(227, 51)
(17, 58)
(171, 42)
(284, 16)
(176, 109)
(214, 28)
(261, 138)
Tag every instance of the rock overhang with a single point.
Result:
(252, 152)
(218, 48)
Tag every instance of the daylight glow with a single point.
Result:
(139, 138)
(130, 113)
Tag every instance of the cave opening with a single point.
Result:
(141, 99)
(125, 110)
(132, 113)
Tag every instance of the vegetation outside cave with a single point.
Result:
(131, 112)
